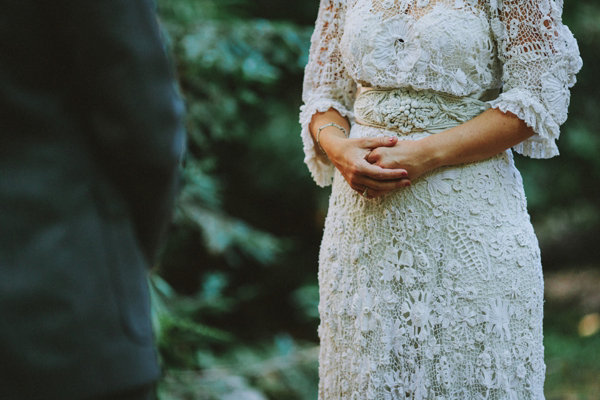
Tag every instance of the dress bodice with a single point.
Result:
(443, 46)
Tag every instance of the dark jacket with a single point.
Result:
(90, 139)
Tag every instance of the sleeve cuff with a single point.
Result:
(537, 117)
(320, 167)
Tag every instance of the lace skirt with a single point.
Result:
(434, 291)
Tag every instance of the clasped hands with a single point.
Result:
(377, 166)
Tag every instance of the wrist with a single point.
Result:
(432, 154)
(330, 139)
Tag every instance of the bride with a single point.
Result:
(430, 277)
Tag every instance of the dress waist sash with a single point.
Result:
(406, 110)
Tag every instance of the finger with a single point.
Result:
(378, 173)
(360, 189)
(383, 141)
(369, 193)
(364, 181)
(372, 157)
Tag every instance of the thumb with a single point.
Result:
(383, 141)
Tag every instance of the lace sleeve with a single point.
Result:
(326, 84)
(540, 58)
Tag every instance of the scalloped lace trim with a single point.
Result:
(536, 116)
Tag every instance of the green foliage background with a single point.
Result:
(236, 287)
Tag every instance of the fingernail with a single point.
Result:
(408, 183)
(391, 139)
(404, 173)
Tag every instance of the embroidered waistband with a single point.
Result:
(407, 110)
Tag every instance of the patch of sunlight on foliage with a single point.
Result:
(589, 325)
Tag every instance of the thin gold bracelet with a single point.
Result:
(341, 128)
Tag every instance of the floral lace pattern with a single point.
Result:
(458, 47)
(433, 292)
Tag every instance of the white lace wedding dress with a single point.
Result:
(435, 291)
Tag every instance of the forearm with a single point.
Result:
(484, 136)
(331, 132)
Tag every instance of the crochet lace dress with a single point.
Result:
(435, 291)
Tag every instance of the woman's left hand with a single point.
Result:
(411, 155)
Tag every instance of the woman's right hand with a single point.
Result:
(349, 157)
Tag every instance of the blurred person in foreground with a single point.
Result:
(90, 140)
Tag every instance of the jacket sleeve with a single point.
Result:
(127, 94)
(540, 58)
(326, 84)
